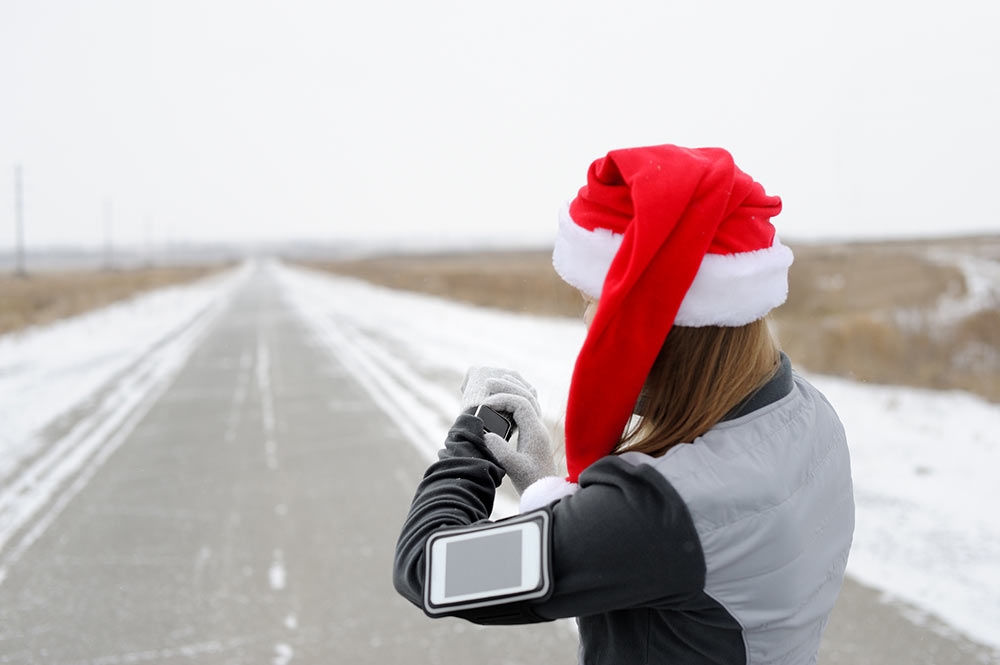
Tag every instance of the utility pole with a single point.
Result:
(149, 240)
(108, 252)
(19, 268)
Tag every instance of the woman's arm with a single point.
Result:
(457, 490)
(625, 539)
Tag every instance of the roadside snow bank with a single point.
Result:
(924, 462)
(46, 371)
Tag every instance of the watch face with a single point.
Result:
(495, 422)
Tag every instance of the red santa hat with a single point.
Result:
(662, 236)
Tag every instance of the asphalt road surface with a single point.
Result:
(248, 513)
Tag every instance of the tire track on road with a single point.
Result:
(423, 409)
(50, 481)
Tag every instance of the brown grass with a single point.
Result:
(518, 281)
(862, 311)
(42, 298)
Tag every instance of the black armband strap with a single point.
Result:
(491, 571)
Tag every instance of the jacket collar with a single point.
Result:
(775, 389)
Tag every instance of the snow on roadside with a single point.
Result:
(925, 465)
(924, 462)
(46, 371)
(411, 351)
(439, 339)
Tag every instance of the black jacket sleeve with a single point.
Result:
(457, 490)
(624, 540)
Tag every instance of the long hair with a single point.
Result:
(699, 376)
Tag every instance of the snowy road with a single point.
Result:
(244, 511)
(232, 494)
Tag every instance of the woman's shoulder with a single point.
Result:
(757, 461)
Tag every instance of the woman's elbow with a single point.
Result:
(407, 576)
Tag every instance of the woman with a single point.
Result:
(715, 527)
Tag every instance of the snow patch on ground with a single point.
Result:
(283, 654)
(924, 462)
(982, 285)
(276, 573)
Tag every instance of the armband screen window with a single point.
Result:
(496, 563)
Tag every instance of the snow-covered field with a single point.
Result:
(924, 462)
(98, 372)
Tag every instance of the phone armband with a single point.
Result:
(491, 571)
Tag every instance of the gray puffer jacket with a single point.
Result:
(728, 550)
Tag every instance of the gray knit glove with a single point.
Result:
(481, 382)
(530, 458)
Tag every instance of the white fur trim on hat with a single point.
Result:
(544, 491)
(729, 289)
(735, 289)
(581, 257)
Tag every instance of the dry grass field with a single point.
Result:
(888, 312)
(44, 297)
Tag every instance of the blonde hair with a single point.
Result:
(699, 376)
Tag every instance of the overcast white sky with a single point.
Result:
(240, 120)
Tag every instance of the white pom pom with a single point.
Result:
(546, 490)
